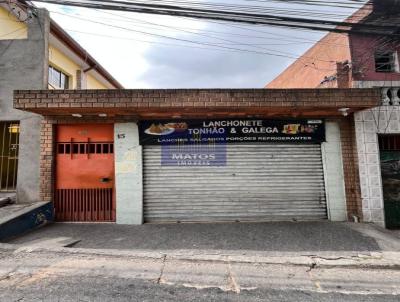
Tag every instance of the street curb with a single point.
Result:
(311, 260)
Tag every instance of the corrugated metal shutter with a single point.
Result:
(258, 183)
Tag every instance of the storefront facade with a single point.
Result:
(156, 156)
(223, 169)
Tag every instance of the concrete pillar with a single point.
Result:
(81, 79)
(333, 172)
(343, 74)
(128, 174)
(24, 65)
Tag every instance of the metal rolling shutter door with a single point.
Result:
(259, 183)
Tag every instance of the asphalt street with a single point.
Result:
(73, 275)
(119, 289)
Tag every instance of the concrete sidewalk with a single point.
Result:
(314, 258)
(337, 244)
(10, 211)
(274, 237)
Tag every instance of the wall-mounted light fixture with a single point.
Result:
(344, 111)
(76, 115)
(13, 128)
(102, 114)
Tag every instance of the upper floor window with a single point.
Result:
(58, 79)
(386, 61)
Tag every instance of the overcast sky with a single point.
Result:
(195, 54)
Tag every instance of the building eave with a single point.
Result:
(63, 36)
(70, 42)
(199, 103)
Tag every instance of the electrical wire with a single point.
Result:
(177, 39)
(291, 39)
(269, 52)
(153, 42)
(12, 32)
(218, 38)
(232, 16)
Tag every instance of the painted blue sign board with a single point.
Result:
(193, 155)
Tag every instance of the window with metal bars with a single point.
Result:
(9, 145)
(389, 143)
(386, 61)
(85, 148)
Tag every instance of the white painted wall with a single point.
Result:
(372, 84)
(370, 123)
(333, 173)
(128, 174)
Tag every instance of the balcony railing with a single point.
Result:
(390, 96)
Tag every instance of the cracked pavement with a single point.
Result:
(244, 262)
(44, 272)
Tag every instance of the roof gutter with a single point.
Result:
(63, 36)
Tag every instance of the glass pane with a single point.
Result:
(62, 80)
(57, 78)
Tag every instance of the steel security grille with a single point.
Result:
(9, 145)
(259, 183)
(84, 205)
(85, 148)
(389, 143)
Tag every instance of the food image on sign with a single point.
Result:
(291, 129)
(179, 127)
(297, 128)
(159, 129)
(166, 129)
(308, 129)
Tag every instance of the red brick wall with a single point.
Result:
(350, 167)
(317, 63)
(46, 160)
(49, 102)
(344, 78)
(363, 52)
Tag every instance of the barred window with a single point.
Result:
(85, 148)
(386, 61)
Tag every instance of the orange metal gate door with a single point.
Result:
(85, 173)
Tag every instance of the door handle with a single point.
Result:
(105, 179)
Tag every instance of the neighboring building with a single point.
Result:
(352, 60)
(35, 53)
(364, 61)
(134, 156)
